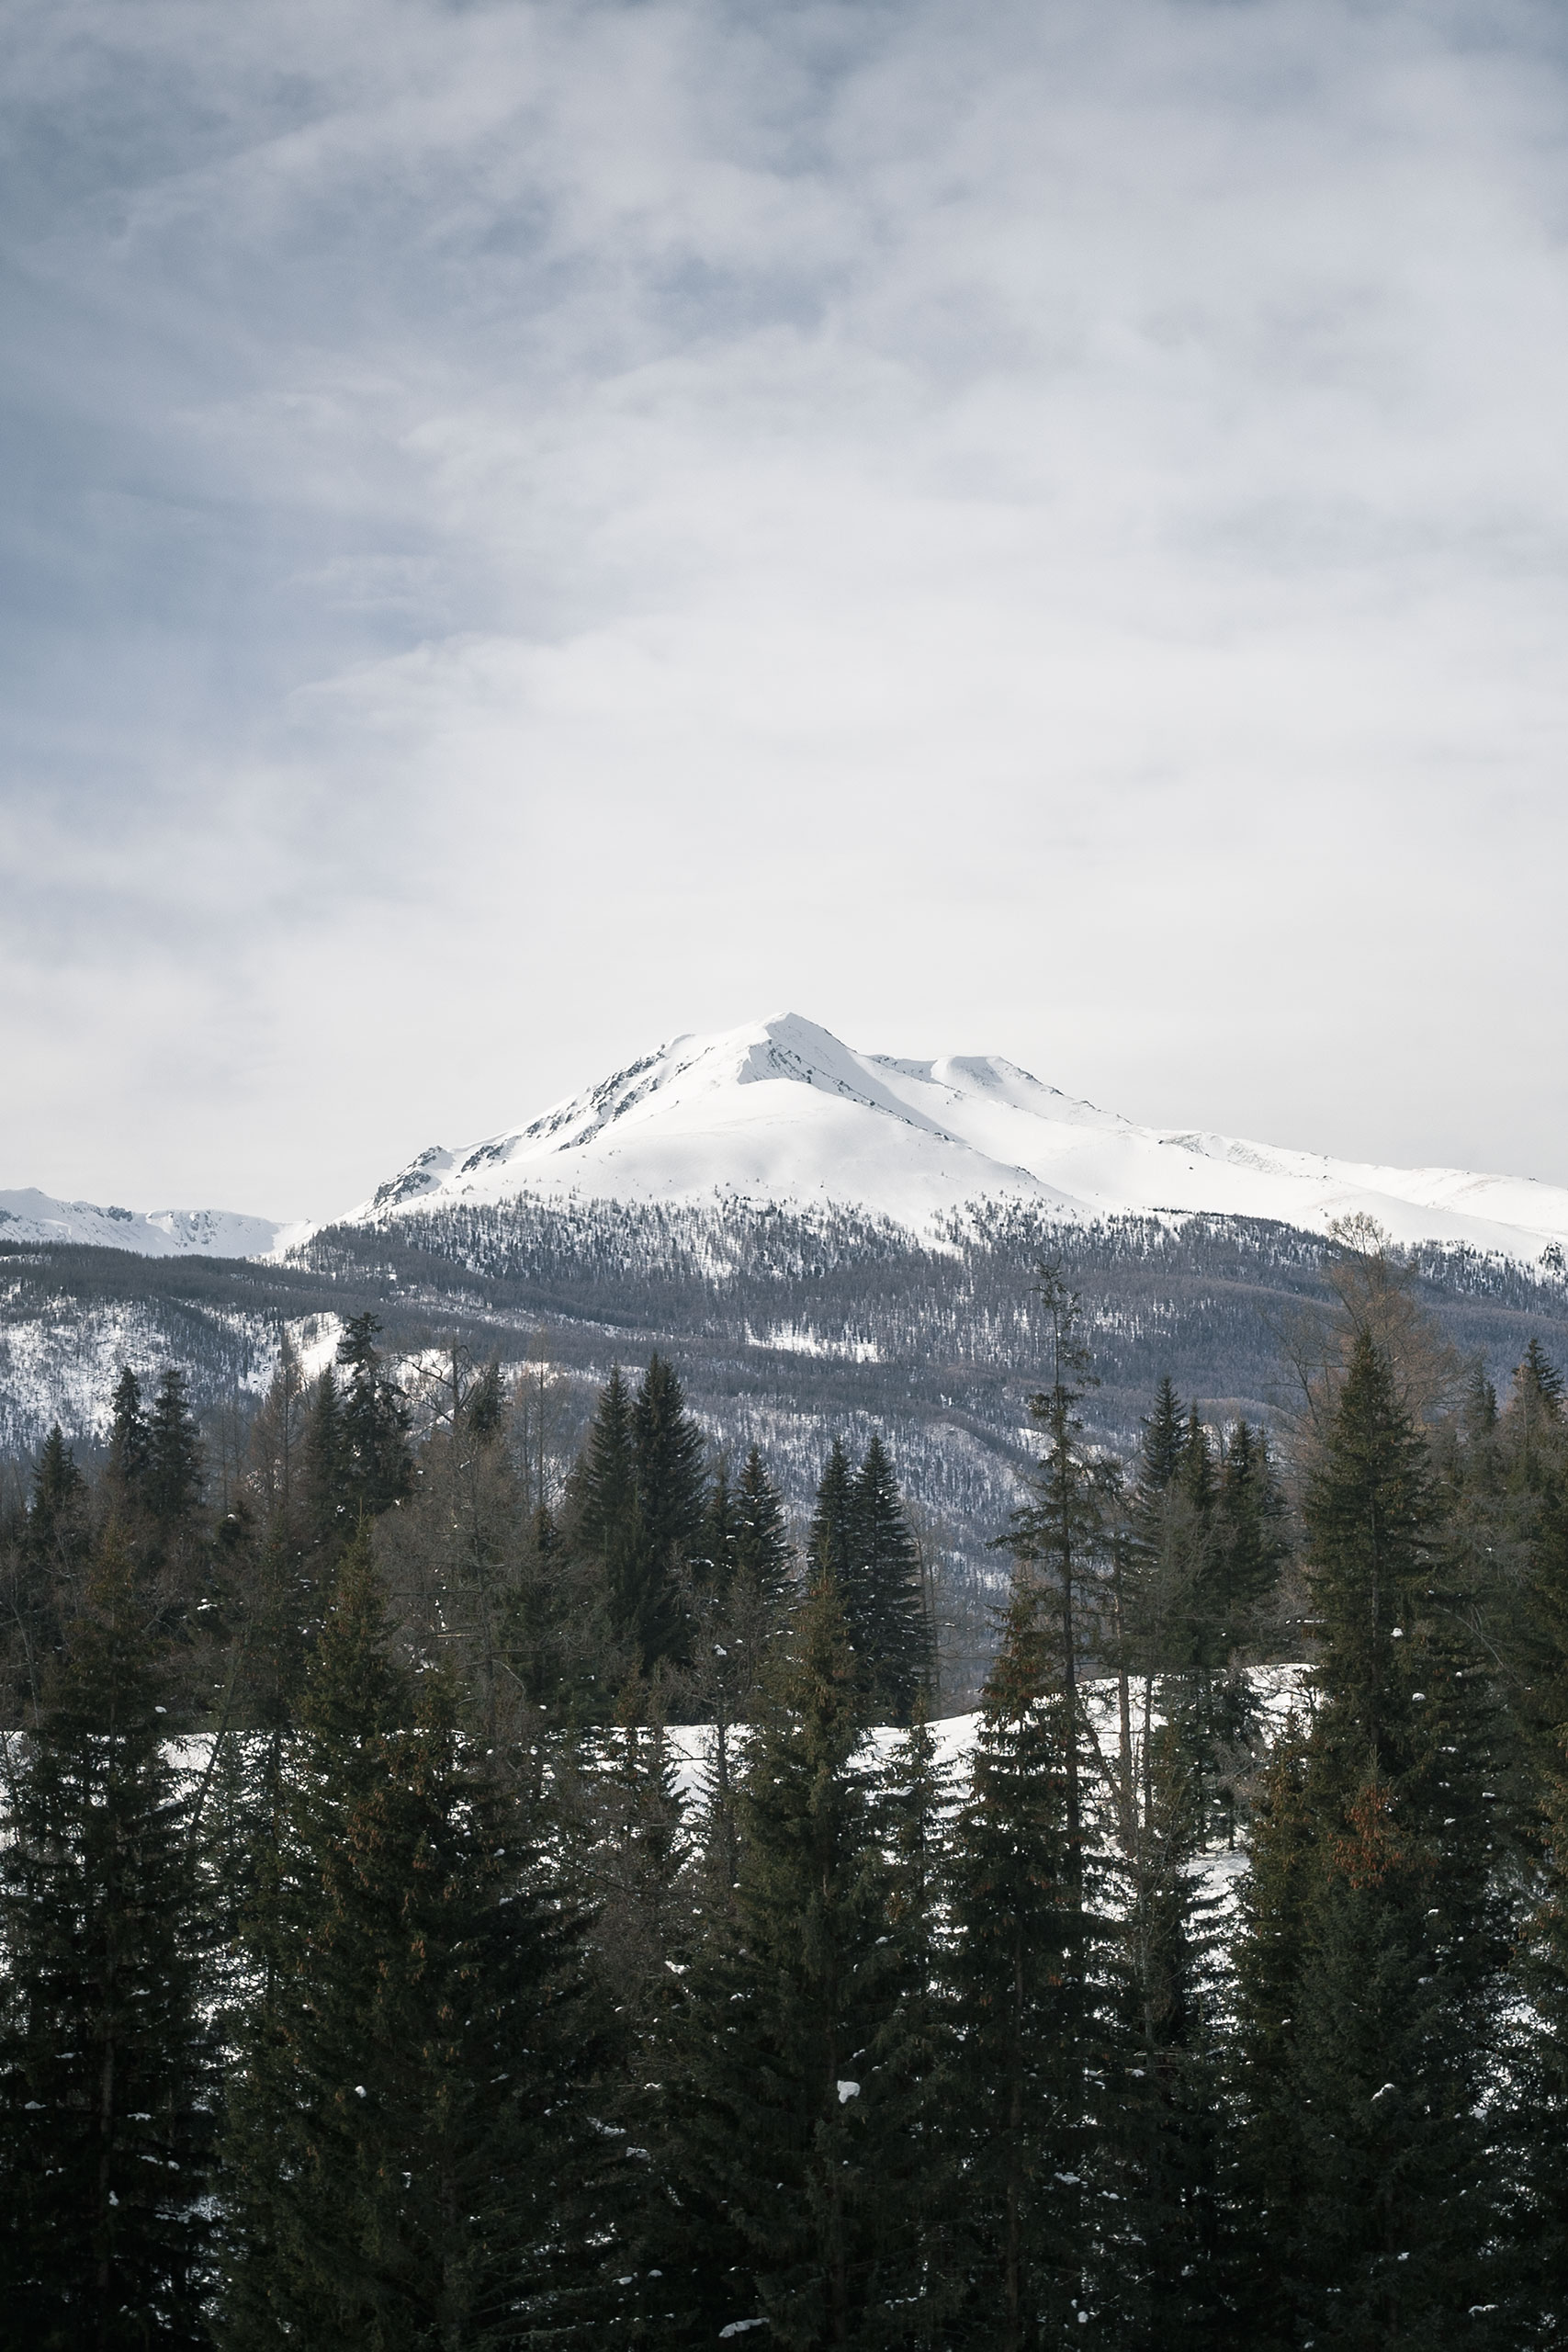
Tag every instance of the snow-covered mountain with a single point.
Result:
(781, 1111)
(33, 1216)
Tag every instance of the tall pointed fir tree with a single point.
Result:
(1368, 2028)
(377, 1466)
(831, 1539)
(785, 2130)
(412, 2161)
(1165, 2267)
(884, 1605)
(639, 1498)
(1027, 1961)
(329, 1520)
(174, 1467)
(672, 1498)
(46, 1564)
(107, 2074)
(915, 2053)
(1061, 1531)
(761, 1545)
(1530, 1522)
(741, 1604)
(129, 1441)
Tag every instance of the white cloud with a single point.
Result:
(543, 525)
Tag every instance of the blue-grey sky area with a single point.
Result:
(1030, 528)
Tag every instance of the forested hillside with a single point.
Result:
(366, 1979)
(785, 1328)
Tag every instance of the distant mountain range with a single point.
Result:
(782, 1112)
(33, 1216)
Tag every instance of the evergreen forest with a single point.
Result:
(458, 1897)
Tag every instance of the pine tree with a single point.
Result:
(739, 1613)
(1165, 2279)
(606, 1520)
(780, 2136)
(668, 1448)
(1249, 1545)
(45, 1571)
(713, 1552)
(1267, 2173)
(915, 2057)
(884, 1603)
(484, 1407)
(106, 2063)
(412, 2162)
(1164, 1440)
(171, 1487)
(326, 1480)
(375, 1464)
(637, 1869)
(762, 1546)
(603, 1484)
(1530, 1499)
(1024, 1962)
(1393, 2010)
(671, 1497)
(1063, 1530)
(830, 1542)
(129, 1439)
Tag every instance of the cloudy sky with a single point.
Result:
(1037, 528)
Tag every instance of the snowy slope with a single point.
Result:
(33, 1216)
(783, 1111)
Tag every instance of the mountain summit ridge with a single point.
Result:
(782, 1110)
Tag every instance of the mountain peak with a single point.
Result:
(782, 1110)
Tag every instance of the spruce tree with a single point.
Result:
(1025, 1965)
(174, 1476)
(607, 1523)
(830, 1541)
(484, 1407)
(327, 1517)
(107, 2077)
(1062, 1530)
(915, 2053)
(1165, 2274)
(129, 1441)
(884, 1605)
(783, 2124)
(49, 1559)
(713, 1552)
(376, 1466)
(761, 1542)
(667, 1449)
(411, 2156)
(1382, 2070)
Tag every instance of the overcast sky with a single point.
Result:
(1036, 528)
